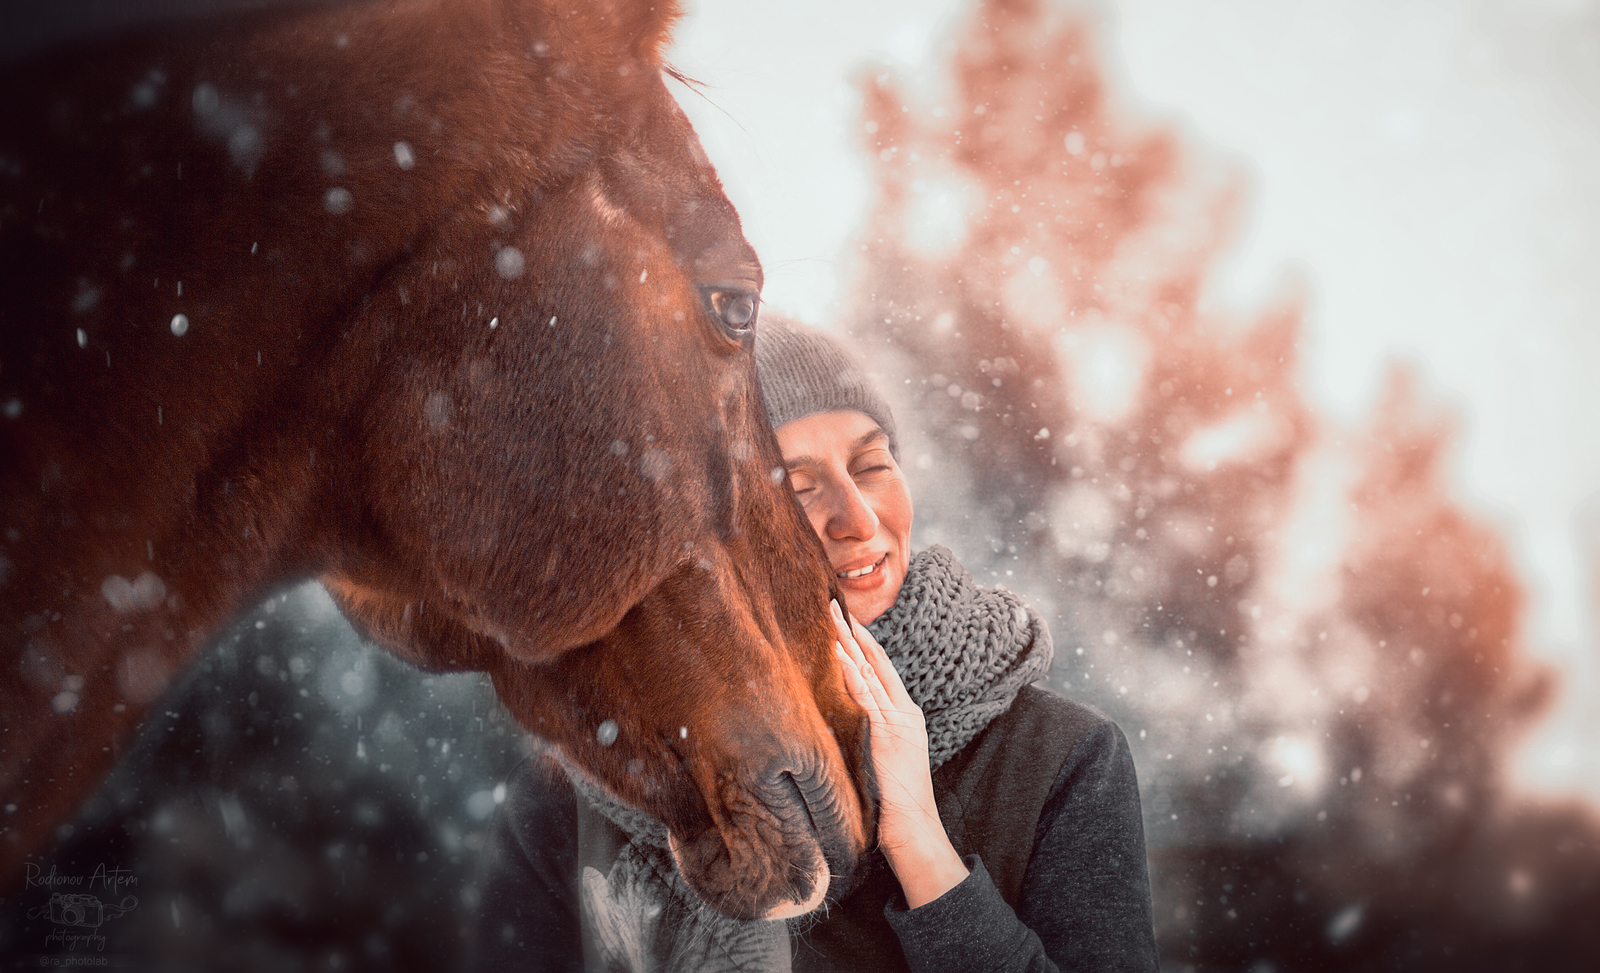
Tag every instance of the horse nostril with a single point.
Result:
(800, 797)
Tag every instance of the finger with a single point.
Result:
(842, 627)
(863, 681)
(852, 652)
(881, 696)
(846, 638)
(888, 689)
(858, 631)
(864, 639)
(857, 684)
(865, 643)
(851, 667)
(879, 660)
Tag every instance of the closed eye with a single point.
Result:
(872, 460)
(804, 486)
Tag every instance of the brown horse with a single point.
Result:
(440, 303)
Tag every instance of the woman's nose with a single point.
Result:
(851, 518)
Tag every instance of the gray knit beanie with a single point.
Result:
(804, 372)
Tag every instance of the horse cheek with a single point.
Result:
(801, 591)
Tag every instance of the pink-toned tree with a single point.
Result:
(1313, 648)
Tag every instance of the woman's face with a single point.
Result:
(855, 496)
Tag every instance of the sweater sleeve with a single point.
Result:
(1085, 901)
(528, 911)
(969, 927)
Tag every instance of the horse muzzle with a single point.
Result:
(779, 843)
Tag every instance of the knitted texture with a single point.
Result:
(804, 372)
(641, 828)
(963, 651)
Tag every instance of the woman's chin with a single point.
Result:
(869, 596)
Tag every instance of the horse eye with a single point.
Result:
(735, 309)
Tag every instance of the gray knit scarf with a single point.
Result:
(964, 652)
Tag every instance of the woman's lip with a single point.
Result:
(875, 565)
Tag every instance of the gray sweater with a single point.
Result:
(1043, 806)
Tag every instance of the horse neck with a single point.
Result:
(198, 472)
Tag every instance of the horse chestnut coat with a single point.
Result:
(442, 304)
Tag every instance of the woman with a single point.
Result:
(1010, 835)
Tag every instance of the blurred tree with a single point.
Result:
(1313, 648)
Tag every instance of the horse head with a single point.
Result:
(443, 305)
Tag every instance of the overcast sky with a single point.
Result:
(1430, 169)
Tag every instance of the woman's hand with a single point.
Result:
(910, 833)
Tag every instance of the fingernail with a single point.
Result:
(833, 604)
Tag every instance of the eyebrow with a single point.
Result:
(861, 442)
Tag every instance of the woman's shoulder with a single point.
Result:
(1023, 749)
(1038, 710)
(1036, 735)
(994, 793)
